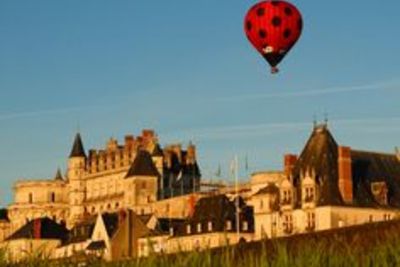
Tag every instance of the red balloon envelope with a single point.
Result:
(273, 27)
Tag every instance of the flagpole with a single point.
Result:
(237, 197)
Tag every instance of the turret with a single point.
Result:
(77, 187)
(77, 159)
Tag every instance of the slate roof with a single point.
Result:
(58, 176)
(77, 148)
(81, 232)
(111, 221)
(49, 229)
(271, 188)
(218, 210)
(369, 167)
(96, 245)
(320, 155)
(157, 151)
(143, 165)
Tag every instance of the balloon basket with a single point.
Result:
(274, 70)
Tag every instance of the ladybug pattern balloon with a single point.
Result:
(273, 27)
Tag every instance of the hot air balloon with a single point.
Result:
(273, 27)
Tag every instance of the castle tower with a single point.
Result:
(76, 184)
(141, 182)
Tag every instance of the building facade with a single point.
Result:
(133, 175)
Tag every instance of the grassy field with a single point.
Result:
(367, 245)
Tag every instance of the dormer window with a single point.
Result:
(286, 197)
(380, 192)
(309, 194)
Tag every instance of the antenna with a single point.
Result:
(315, 120)
(326, 118)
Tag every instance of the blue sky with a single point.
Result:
(186, 69)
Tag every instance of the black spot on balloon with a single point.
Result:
(262, 33)
(300, 24)
(275, 3)
(276, 21)
(248, 25)
(288, 11)
(260, 12)
(287, 33)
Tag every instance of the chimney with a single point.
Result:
(129, 141)
(345, 181)
(37, 228)
(290, 162)
(191, 153)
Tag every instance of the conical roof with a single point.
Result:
(320, 157)
(77, 148)
(143, 165)
(58, 176)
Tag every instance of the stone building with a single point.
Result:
(133, 175)
(328, 186)
(216, 221)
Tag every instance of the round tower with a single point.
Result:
(76, 183)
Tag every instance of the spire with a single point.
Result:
(77, 148)
(58, 176)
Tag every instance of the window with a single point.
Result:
(30, 198)
(261, 204)
(309, 194)
(371, 218)
(52, 197)
(199, 227)
(287, 224)
(310, 221)
(188, 229)
(245, 226)
(229, 225)
(210, 226)
(287, 197)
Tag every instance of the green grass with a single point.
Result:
(369, 245)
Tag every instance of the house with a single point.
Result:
(214, 223)
(37, 238)
(328, 186)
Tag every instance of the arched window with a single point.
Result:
(52, 197)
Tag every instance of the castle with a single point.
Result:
(135, 199)
(133, 175)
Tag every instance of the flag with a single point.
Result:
(246, 163)
(233, 167)
(218, 173)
